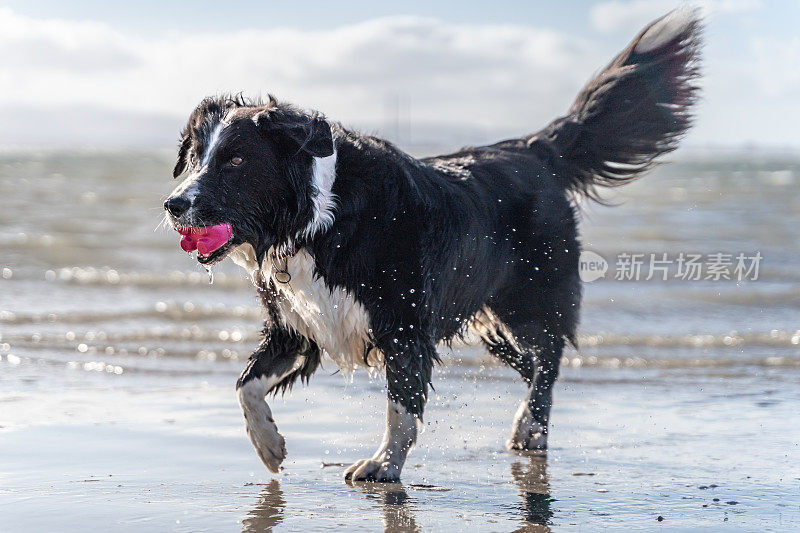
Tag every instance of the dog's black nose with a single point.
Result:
(177, 206)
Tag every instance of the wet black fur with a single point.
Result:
(426, 244)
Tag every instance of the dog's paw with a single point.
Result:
(537, 441)
(527, 434)
(269, 444)
(373, 470)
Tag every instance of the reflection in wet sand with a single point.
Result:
(534, 486)
(529, 474)
(397, 507)
(268, 512)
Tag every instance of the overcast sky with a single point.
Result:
(106, 74)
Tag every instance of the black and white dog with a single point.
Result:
(370, 257)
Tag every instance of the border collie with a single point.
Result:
(371, 257)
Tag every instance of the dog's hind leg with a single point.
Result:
(536, 354)
(531, 422)
(282, 358)
(408, 373)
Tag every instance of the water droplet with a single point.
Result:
(210, 274)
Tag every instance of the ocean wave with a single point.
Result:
(193, 332)
(158, 334)
(732, 339)
(110, 277)
(123, 360)
(174, 311)
(578, 361)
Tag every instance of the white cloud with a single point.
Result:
(489, 76)
(628, 15)
(60, 45)
(81, 83)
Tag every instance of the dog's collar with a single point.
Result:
(282, 275)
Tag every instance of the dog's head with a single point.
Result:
(257, 173)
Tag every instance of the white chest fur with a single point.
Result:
(333, 319)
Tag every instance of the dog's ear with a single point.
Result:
(183, 154)
(297, 132)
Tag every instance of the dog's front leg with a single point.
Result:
(282, 357)
(387, 463)
(408, 373)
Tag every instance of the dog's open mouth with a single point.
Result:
(211, 242)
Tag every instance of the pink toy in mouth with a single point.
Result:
(207, 239)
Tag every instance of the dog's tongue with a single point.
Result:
(207, 239)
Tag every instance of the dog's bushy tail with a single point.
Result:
(636, 109)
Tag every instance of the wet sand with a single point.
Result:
(704, 451)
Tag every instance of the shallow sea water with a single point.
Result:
(118, 360)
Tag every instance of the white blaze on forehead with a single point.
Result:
(188, 187)
(211, 144)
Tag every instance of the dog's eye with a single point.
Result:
(236, 161)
